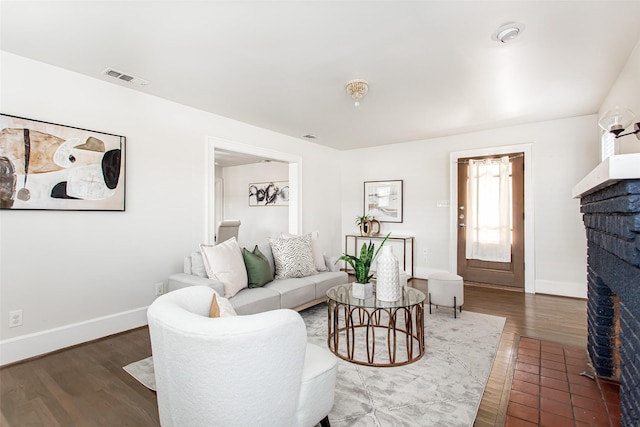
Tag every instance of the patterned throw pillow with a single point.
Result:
(316, 249)
(293, 257)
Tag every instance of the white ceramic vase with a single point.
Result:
(361, 290)
(387, 273)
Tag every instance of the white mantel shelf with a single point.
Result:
(611, 170)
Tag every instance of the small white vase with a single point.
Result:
(361, 290)
(387, 276)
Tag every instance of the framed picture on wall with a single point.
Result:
(274, 193)
(57, 167)
(383, 200)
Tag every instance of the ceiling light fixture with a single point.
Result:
(617, 120)
(357, 89)
(507, 32)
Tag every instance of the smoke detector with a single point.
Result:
(507, 32)
(125, 77)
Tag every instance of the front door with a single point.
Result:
(508, 272)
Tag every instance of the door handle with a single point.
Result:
(462, 224)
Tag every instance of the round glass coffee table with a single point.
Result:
(376, 333)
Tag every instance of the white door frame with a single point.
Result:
(529, 246)
(295, 181)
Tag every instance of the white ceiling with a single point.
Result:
(432, 66)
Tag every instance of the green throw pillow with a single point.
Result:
(258, 268)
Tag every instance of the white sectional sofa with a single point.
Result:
(294, 293)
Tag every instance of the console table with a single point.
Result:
(402, 248)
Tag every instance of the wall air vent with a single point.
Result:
(125, 77)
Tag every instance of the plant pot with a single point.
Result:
(361, 290)
(365, 228)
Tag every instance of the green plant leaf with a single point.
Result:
(362, 265)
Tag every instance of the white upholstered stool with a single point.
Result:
(402, 278)
(446, 289)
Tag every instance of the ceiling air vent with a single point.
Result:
(125, 77)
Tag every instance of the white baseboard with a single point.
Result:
(36, 344)
(564, 289)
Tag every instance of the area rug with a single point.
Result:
(443, 388)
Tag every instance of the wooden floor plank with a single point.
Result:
(86, 385)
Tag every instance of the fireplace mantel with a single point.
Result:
(610, 171)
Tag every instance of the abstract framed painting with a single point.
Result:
(274, 193)
(383, 200)
(56, 167)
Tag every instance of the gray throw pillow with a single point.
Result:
(293, 257)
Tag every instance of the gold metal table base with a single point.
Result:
(352, 327)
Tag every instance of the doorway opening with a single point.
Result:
(217, 145)
(491, 220)
(486, 271)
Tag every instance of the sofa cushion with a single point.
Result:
(316, 249)
(328, 279)
(292, 257)
(255, 300)
(258, 267)
(294, 291)
(224, 262)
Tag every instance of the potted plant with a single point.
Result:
(362, 288)
(364, 222)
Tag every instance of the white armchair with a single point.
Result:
(253, 370)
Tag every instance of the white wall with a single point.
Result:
(563, 152)
(264, 221)
(75, 280)
(625, 92)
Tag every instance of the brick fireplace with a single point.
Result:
(612, 220)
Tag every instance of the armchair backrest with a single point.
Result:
(227, 229)
(227, 371)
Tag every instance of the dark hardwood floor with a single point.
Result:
(86, 385)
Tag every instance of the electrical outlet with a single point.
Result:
(15, 318)
(424, 254)
(159, 288)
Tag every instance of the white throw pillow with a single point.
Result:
(224, 263)
(316, 249)
(221, 307)
(197, 265)
(292, 257)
